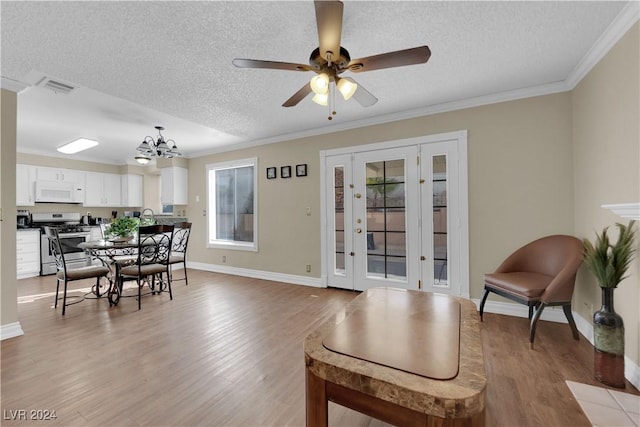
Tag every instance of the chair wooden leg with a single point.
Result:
(567, 312)
(55, 305)
(534, 323)
(184, 267)
(169, 283)
(64, 298)
(484, 299)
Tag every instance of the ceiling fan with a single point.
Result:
(330, 60)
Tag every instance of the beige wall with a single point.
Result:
(520, 185)
(607, 163)
(8, 290)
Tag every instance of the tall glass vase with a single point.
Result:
(608, 330)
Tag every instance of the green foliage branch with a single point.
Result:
(610, 262)
(122, 226)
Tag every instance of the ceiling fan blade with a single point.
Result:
(361, 95)
(273, 65)
(399, 58)
(329, 21)
(298, 96)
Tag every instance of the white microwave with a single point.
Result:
(59, 192)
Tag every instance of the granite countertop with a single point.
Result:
(169, 220)
(460, 397)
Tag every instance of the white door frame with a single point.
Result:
(461, 222)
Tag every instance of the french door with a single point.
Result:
(393, 217)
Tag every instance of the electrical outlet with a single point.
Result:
(308, 268)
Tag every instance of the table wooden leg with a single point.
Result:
(317, 405)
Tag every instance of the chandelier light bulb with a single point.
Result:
(143, 160)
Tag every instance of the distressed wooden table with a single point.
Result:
(404, 357)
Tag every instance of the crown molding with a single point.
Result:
(627, 17)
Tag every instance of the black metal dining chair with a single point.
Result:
(66, 275)
(178, 255)
(152, 262)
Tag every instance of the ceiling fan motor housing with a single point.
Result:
(320, 64)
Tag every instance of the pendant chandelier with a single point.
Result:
(157, 148)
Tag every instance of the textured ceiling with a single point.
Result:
(147, 63)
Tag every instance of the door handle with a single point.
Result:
(357, 195)
(358, 230)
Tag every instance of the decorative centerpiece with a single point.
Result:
(609, 263)
(122, 229)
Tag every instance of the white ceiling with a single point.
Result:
(146, 63)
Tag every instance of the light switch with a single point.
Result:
(308, 211)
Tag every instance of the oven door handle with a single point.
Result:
(71, 235)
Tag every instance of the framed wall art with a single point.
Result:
(285, 171)
(301, 170)
(271, 173)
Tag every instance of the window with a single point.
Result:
(232, 205)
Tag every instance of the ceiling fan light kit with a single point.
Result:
(160, 147)
(320, 84)
(346, 88)
(321, 99)
(330, 60)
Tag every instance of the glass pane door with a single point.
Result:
(385, 218)
(386, 224)
(441, 242)
(396, 217)
(339, 237)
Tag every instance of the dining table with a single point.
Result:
(114, 252)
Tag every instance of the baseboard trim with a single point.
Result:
(552, 314)
(316, 282)
(10, 330)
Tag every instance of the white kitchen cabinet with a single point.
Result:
(173, 186)
(27, 253)
(102, 189)
(132, 190)
(44, 173)
(68, 180)
(25, 185)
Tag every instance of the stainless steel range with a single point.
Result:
(71, 233)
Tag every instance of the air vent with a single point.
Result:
(54, 85)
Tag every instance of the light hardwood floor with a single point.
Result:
(227, 351)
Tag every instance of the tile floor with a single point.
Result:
(605, 407)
